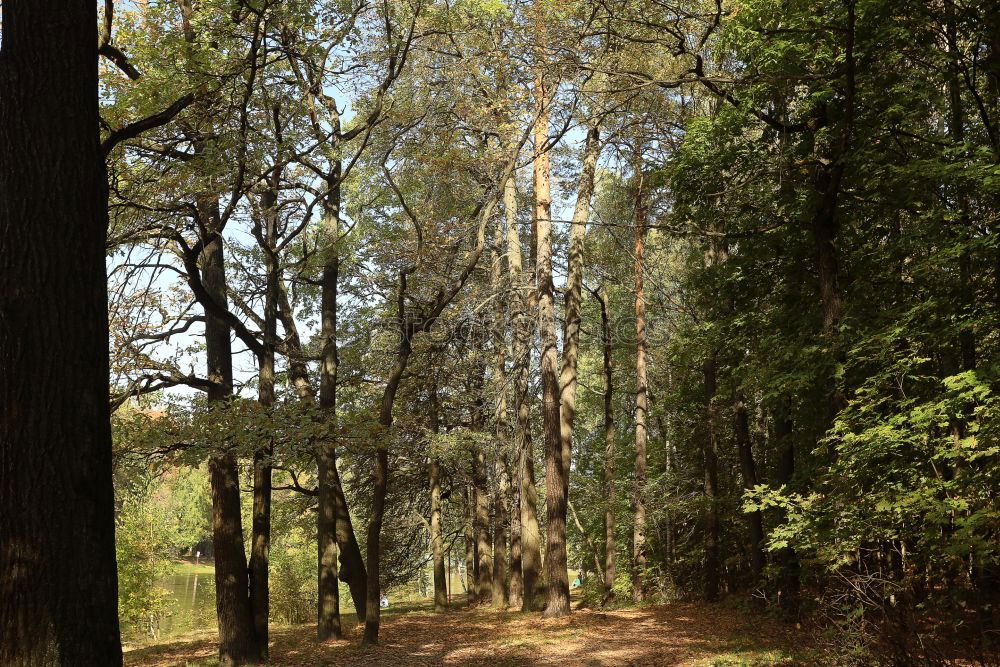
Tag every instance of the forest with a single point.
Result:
(558, 332)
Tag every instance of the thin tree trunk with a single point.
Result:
(522, 305)
(58, 582)
(261, 529)
(641, 399)
(710, 453)
(609, 449)
(470, 546)
(380, 480)
(748, 469)
(788, 578)
(574, 299)
(441, 597)
(328, 588)
(481, 505)
(352, 565)
(237, 638)
(501, 494)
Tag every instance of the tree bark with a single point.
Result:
(609, 449)
(437, 539)
(574, 299)
(237, 637)
(788, 578)
(58, 582)
(261, 528)
(748, 470)
(481, 523)
(522, 305)
(641, 398)
(710, 453)
(556, 576)
(501, 492)
(470, 547)
(328, 481)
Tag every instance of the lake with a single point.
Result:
(194, 606)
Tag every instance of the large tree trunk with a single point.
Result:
(609, 449)
(522, 306)
(556, 575)
(58, 583)
(237, 638)
(328, 593)
(261, 530)
(641, 399)
(748, 469)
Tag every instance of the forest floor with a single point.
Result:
(674, 634)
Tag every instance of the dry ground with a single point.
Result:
(674, 634)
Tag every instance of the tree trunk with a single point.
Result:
(484, 556)
(437, 540)
(710, 453)
(470, 547)
(556, 576)
(501, 493)
(380, 485)
(261, 530)
(58, 580)
(522, 305)
(609, 449)
(641, 398)
(748, 470)
(352, 565)
(328, 481)
(574, 297)
(788, 578)
(237, 638)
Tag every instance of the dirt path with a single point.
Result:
(674, 634)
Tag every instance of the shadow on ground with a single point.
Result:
(674, 634)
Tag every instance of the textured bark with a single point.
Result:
(501, 488)
(481, 523)
(609, 449)
(328, 592)
(237, 637)
(556, 576)
(261, 529)
(748, 470)
(437, 539)
(352, 565)
(470, 547)
(641, 400)
(522, 306)
(380, 480)
(574, 299)
(58, 583)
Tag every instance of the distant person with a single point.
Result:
(384, 602)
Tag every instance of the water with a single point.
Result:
(194, 603)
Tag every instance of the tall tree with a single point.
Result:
(58, 536)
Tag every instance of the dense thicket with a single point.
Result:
(695, 299)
